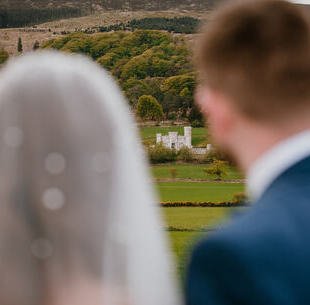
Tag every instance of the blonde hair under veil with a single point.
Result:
(76, 201)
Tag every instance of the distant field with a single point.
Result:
(192, 219)
(198, 191)
(199, 135)
(190, 171)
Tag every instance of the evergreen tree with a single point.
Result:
(36, 45)
(20, 45)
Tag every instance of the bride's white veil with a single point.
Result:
(76, 200)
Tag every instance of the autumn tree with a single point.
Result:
(134, 88)
(179, 92)
(148, 108)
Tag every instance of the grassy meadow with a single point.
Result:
(190, 171)
(186, 228)
(195, 218)
(182, 244)
(198, 191)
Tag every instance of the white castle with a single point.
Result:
(174, 141)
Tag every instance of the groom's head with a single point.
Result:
(254, 62)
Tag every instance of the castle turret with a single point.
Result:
(158, 138)
(188, 136)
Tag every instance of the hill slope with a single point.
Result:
(88, 5)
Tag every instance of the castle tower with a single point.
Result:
(188, 136)
(158, 138)
(173, 138)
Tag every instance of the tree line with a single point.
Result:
(158, 5)
(29, 16)
(185, 25)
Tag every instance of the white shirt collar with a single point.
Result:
(275, 161)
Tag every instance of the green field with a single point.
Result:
(198, 191)
(185, 225)
(199, 135)
(195, 218)
(182, 244)
(190, 171)
(191, 220)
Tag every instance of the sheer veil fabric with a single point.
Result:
(76, 200)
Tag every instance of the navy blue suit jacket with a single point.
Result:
(263, 256)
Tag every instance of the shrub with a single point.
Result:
(218, 169)
(185, 154)
(161, 154)
(240, 198)
(211, 156)
(172, 116)
(197, 124)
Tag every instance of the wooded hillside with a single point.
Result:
(152, 63)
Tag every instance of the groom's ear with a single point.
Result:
(220, 113)
(216, 106)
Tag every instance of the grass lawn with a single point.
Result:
(192, 219)
(195, 218)
(190, 171)
(182, 244)
(199, 135)
(198, 191)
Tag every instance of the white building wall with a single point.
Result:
(201, 150)
(173, 140)
(188, 136)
